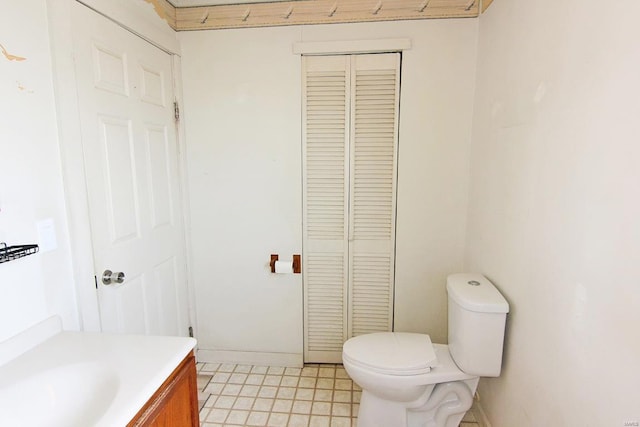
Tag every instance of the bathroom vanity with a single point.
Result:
(50, 377)
(175, 403)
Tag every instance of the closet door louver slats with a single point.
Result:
(325, 133)
(374, 113)
(372, 303)
(326, 302)
(350, 109)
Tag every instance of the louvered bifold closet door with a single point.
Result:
(326, 100)
(375, 81)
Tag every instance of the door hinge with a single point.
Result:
(191, 331)
(176, 111)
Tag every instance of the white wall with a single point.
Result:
(244, 187)
(243, 120)
(554, 208)
(39, 285)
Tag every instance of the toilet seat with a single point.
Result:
(392, 353)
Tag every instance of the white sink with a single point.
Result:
(52, 378)
(76, 394)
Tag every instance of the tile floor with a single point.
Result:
(313, 396)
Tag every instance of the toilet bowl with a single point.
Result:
(408, 381)
(393, 399)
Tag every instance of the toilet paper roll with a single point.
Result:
(284, 267)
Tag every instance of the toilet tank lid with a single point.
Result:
(392, 353)
(474, 292)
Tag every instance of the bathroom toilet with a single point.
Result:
(407, 380)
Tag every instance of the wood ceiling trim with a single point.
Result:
(165, 10)
(305, 12)
(486, 4)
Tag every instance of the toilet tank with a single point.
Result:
(477, 315)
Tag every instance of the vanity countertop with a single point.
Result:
(50, 377)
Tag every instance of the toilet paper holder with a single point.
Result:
(295, 262)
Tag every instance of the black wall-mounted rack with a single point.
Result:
(9, 253)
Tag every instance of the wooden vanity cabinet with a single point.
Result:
(175, 404)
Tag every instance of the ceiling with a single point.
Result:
(190, 15)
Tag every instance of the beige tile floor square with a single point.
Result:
(233, 395)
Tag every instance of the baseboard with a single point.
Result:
(480, 415)
(291, 360)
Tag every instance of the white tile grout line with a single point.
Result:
(240, 395)
(311, 390)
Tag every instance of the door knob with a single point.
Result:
(109, 277)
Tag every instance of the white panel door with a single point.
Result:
(125, 96)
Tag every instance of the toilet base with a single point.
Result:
(441, 405)
(376, 412)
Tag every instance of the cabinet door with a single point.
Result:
(175, 404)
(350, 111)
